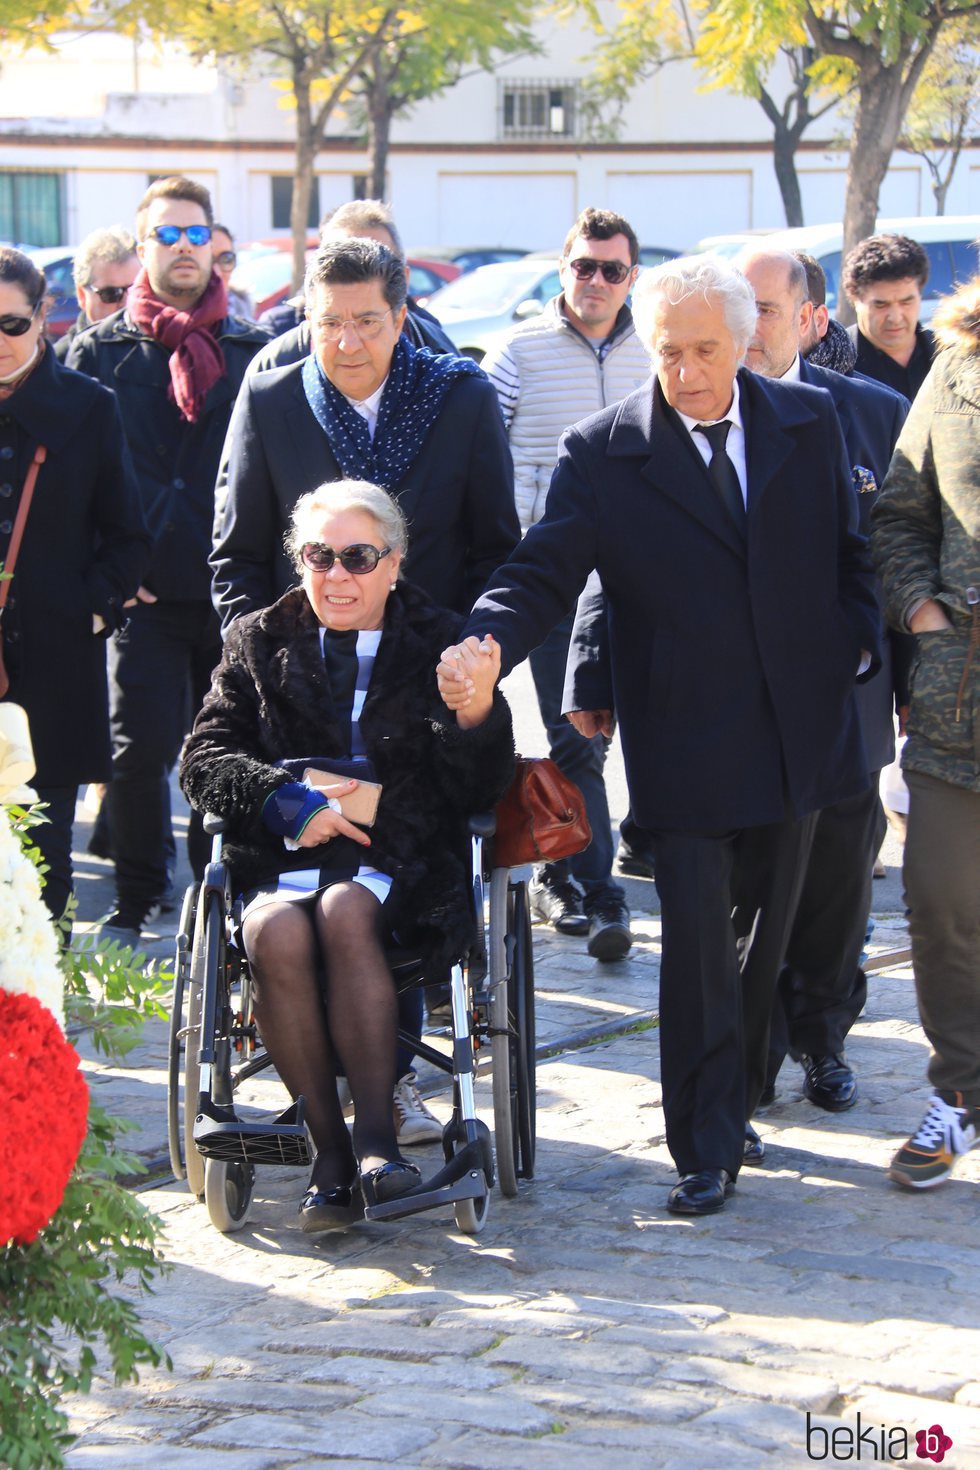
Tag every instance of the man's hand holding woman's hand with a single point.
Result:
(466, 675)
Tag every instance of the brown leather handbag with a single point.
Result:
(16, 536)
(540, 817)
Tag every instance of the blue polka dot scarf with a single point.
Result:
(418, 381)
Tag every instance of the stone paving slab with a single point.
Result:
(585, 1328)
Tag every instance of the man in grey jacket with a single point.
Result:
(580, 355)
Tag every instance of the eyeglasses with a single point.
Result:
(227, 258)
(170, 234)
(367, 327)
(16, 326)
(614, 272)
(109, 295)
(358, 559)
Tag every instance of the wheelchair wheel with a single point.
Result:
(521, 989)
(208, 942)
(505, 1136)
(228, 1193)
(512, 1020)
(177, 1044)
(471, 1214)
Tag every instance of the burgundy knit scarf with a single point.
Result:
(196, 359)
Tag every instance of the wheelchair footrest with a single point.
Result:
(220, 1134)
(462, 1178)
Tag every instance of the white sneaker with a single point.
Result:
(413, 1121)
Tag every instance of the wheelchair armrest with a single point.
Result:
(483, 824)
(213, 824)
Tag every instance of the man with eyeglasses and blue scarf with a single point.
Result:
(175, 360)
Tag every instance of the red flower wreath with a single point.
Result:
(44, 1103)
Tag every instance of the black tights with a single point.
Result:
(351, 1022)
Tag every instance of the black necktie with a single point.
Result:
(723, 473)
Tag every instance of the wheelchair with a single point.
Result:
(215, 1048)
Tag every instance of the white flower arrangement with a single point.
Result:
(29, 962)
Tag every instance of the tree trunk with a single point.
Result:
(379, 129)
(877, 122)
(306, 151)
(784, 161)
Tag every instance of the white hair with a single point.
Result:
(701, 275)
(337, 496)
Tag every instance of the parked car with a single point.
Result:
(470, 257)
(950, 241)
(265, 273)
(483, 302)
(426, 277)
(56, 261)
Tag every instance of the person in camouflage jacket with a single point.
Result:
(926, 544)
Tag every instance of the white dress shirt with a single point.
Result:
(369, 408)
(734, 444)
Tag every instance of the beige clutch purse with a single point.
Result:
(359, 805)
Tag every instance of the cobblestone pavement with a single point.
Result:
(585, 1327)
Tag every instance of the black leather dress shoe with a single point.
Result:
(703, 1193)
(829, 1083)
(755, 1150)
(609, 929)
(637, 862)
(388, 1181)
(331, 1209)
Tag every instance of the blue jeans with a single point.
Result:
(582, 761)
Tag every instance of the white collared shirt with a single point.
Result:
(792, 373)
(369, 408)
(734, 444)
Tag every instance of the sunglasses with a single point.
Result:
(226, 258)
(16, 326)
(614, 272)
(358, 559)
(109, 295)
(170, 234)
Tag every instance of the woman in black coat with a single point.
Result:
(341, 672)
(84, 551)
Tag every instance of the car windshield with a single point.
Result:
(490, 289)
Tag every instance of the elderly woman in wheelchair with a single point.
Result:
(319, 701)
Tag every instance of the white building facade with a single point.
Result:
(497, 160)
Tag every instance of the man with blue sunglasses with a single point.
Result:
(175, 359)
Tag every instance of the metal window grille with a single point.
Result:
(537, 109)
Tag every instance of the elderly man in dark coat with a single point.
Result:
(718, 510)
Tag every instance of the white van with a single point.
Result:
(950, 241)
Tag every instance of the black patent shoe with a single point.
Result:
(754, 1150)
(331, 1209)
(829, 1083)
(388, 1181)
(702, 1193)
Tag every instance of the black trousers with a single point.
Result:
(727, 902)
(160, 668)
(822, 989)
(53, 838)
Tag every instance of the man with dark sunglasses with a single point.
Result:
(175, 359)
(581, 354)
(105, 266)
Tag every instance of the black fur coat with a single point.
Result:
(270, 700)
